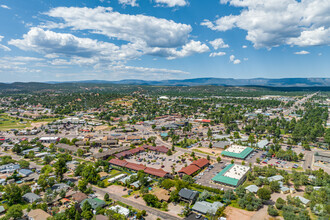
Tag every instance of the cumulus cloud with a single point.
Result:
(172, 3)
(244, 46)
(49, 42)
(303, 52)
(3, 47)
(233, 60)
(218, 43)
(5, 6)
(155, 32)
(187, 50)
(217, 54)
(132, 3)
(273, 23)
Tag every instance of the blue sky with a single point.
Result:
(64, 40)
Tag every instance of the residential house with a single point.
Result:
(204, 207)
(120, 210)
(60, 186)
(79, 197)
(303, 200)
(188, 195)
(38, 214)
(31, 197)
(252, 188)
(95, 203)
(25, 172)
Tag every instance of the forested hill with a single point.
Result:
(188, 91)
(284, 82)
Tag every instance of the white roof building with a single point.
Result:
(120, 210)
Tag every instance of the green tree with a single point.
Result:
(275, 186)
(82, 185)
(264, 193)
(218, 159)
(13, 193)
(87, 210)
(15, 212)
(280, 203)
(24, 164)
(60, 168)
(151, 200)
(272, 211)
(106, 197)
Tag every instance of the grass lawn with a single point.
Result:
(7, 122)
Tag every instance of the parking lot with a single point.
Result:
(204, 178)
(160, 160)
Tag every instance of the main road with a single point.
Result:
(136, 205)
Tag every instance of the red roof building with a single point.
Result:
(189, 170)
(162, 149)
(156, 172)
(134, 166)
(201, 163)
(117, 162)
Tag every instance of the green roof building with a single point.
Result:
(236, 151)
(232, 175)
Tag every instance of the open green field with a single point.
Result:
(8, 122)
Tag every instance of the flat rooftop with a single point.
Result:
(237, 171)
(237, 151)
(231, 174)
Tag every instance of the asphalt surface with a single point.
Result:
(156, 212)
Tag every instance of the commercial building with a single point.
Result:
(232, 175)
(237, 151)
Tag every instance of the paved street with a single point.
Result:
(156, 212)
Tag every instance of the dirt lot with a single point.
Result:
(156, 160)
(213, 151)
(235, 213)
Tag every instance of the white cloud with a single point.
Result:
(217, 54)
(303, 52)
(172, 3)
(132, 3)
(187, 50)
(318, 36)
(244, 46)
(23, 59)
(68, 45)
(273, 23)
(3, 47)
(233, 60)
(218, 43)
(5, 6)
(155, 32)
(245, 59)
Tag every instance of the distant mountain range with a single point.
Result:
(284, 82)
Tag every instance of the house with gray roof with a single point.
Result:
(60, 186)
(204, 207)
(25, 172)
(275, 178)
(303, 200)
(252, 188)
(284, 189)
(188, 195)
(31, 197)
(2, 209)
(221, 144)
(263, 143)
